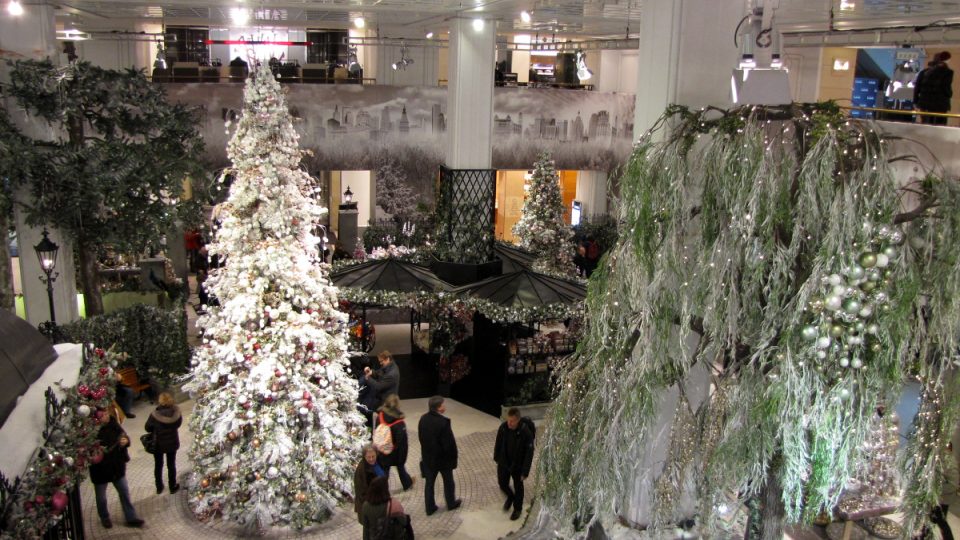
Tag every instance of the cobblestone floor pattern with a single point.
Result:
(169, 517)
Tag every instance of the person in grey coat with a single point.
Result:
(384, 381)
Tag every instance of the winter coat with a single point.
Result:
(370, 515)
(437, 444)
(165, 421)
(385, 381)
(361, 480)
(934, 88)
(398, 432)
(113, 466)
(514, 449)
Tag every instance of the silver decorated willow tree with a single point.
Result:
(775, 279)
(275, 426)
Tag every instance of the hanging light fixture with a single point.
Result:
(404, 59)
(583, 72)
(525, 17)
(359, 22)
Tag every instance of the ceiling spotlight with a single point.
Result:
(429, 35)
(15, 8)
(525, 16)
(478, 24)
(239, 16)
(404, 59)
(359, 22)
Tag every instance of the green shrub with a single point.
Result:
(154, 338)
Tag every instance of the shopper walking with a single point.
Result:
(393, 454)
(384, 381)
(439, 449)
(367, 470)
(934, 88)
(164, 423)
(513, 453)
(383, 517)
(112, 469)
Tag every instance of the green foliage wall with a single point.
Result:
(154, 338)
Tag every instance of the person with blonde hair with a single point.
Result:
(395, 455)
(164, 423)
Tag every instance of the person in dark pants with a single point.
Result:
(164, 423)
(384, 381)
(513, 453)
(934, 88)
(439, 450)
(112, 469)
(391, 415)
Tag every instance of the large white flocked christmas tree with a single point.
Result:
(276, 432)
(541, 228)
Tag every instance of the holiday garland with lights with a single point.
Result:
(35, 501)
(276, 432)
(541, 229)
(812, 282)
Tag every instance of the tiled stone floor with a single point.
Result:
(169, 517)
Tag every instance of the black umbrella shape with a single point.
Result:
(389, 275)
(514, 259)
(525, 289)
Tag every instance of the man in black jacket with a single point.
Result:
(934, 88)
(439, 450)
(513, 453)
(384, 381)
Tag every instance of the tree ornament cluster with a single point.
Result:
(275, 424)
(847, 313)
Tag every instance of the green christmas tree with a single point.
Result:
(276, 432)
(541, 228)
(773, 281)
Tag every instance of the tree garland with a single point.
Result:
(36, 500)
(746, 232)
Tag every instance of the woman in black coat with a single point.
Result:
(391, 415)
(164, 423)
(112, 469)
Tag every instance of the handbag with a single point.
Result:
(149, 441)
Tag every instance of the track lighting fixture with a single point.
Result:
(404, 59)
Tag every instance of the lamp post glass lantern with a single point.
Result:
(47, 255)
(348, 195)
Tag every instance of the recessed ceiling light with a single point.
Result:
(525, 16)
(15, 8)
(478, 24)
(359, 22)
(239, 16)
(429, 35)
(846, 5)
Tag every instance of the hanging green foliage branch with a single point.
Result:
(115, 174)
(775, 250)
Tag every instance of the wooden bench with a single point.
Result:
(128, 377)
(880, 507)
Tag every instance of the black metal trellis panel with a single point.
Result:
(70, 526)
(466, 207)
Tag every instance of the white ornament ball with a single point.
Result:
(856, 363)
(273, 472)
(823, 342)
(840, 290)
(809, 332)
(821, 354)
(896, 237)
(835, 279)
(303, 411)
(890, 252)
(873, 329)
(844, 362)
(832, 303)
(856, 272)
(844, 393)
(251, 415)
(882, 260)
(83, 410)
(866, 311)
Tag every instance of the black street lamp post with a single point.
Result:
(47, 255)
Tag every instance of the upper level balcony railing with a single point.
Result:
(191, 72)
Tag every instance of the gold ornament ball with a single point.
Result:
(205, 483)
(255, 443)
(301, 496)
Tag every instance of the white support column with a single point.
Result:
(686, 56)
(470, 95)
(33, 36)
